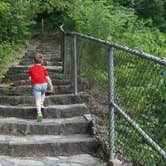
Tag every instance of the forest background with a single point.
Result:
(137, 24)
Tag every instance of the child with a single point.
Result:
(38, 76)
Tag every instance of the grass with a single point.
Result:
(10, 55)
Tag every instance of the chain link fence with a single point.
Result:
(131, 147)
(140, 92)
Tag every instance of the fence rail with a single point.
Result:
(123, 66)
(158, 60)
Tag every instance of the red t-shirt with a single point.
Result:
(38, 74)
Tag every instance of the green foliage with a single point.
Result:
(153, 10)
(125, 135)
(14, 23)
(137, 82)
(49, 6)
(117, 24)
(91, 18)
(140, 88)
(98, 78)
(5, 56)
(4, 13)
(108, 20)
(8, 55)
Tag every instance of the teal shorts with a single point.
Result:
(38, 90)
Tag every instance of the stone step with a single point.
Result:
(54, 82)
(47, 56)
(50, 100)
(48, 51)
(47, 48)
(53, 111)
(51, 44)
(20, 90)
(24, 76)
(24, 69)
(66, 126)
(46, 63)
(74, 160)
(47, 145)
(41, 50)
(29, 61)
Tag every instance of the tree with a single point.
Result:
(149, 9)
(14, 20)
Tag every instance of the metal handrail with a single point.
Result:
(142, 54)
(112, 104)
(61, 28)
(141, 132)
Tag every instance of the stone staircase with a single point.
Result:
(64, 137)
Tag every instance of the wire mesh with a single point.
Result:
(131, 148)
(93, 63)
(93, 72)
(140, 91)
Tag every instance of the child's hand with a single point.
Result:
(51, 89)
(50, 83)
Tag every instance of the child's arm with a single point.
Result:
(29, 75)
(29, 79)
(50, 83)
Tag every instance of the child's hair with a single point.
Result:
(38, 58)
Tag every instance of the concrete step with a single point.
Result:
(21, 68)
(46, 56)
(29, 60)
(20, 90)
(48, 51)
(47, 145)
(74, 160)
(24, 76)
(50, 45)
(46, 63)
(65, 126)
(50, 100)
(53, 111)
(54, 81)
(49, 59)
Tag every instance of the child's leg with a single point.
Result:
(44, 88)
(37, 95)
(42, 99)
(38, 105)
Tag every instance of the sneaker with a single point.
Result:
(42, 106)
(39, 117)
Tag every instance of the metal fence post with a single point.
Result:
(111, 107)
(63, 51)
(75, 83)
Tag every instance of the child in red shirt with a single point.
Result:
(39, 78)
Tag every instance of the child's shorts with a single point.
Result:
(38, 90)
